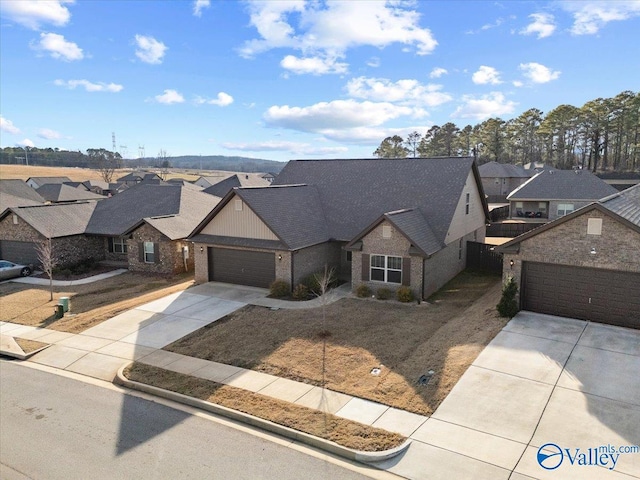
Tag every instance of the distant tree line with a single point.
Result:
(602, 135)
(106, 161)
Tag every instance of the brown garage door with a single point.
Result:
(242, 267)
(594, 294)
(19, 252)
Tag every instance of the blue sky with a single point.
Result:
(296, 79)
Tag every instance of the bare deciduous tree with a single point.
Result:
(48, 260)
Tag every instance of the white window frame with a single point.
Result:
(384, 268)
(565, 208)
(149, 251)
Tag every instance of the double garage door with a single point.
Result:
(605, 296)
(19, 252)
(242, 267)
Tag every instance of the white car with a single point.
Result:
(11, 270)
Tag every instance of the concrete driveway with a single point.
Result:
(134, 334)
(542, 380)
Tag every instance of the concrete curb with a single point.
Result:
(331, 447)
(25, 356)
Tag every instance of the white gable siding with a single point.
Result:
(462, 223)
(244, 223)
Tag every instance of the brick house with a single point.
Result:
(23, 228)
(383, 222)
(584, 265)
(145, 227)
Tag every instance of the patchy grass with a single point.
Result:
(29, 346)
(404, 341)
(339, 430)
(90, 304)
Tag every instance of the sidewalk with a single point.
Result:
(68, 283)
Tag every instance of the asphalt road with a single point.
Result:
(54, 427)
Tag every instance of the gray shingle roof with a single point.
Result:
(14, 193)
(46, 180)
(221, 188)
(57, 219)
(417, 229)
(562, 185)
(626, 204)
(502, 170)
(294, 213)
(58, 192)
(354, 193)
(116, 215)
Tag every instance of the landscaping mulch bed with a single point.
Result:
(94, 271)
(338, 346)
(339, 430)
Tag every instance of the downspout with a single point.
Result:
(292, 255)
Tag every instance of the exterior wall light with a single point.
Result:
(201, 249)
(280, 257)
(511, 263)
(593, 251)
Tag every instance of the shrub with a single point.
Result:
(508, 306)
(404, 294)
(279, 289)
(311, 282)
(383, 293)
(66, 273)
(363, 291)
(300, 292)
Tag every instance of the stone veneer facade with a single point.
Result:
(168, 254)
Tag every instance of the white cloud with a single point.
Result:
(284, 146)
(222, 100)
(542, 25)
(369, 135)
(373, 62)
(58, 47)
(149, 49)
(89, 86)
(200, 5)
(590, 16)
(538, 73)
(326, 29)
(517, 83)
(34, 13)
(26, 143)
(490, 105)
(409, 90)
(438, 72)
(486, 75)
(48, 134)
(169, 97)
(313, 65)
(334, 115)
(8, 126)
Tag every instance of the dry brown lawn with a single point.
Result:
(29, 346)
(91, 304)
(339, 430)
(404, 341)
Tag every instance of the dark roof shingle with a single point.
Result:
(562, 185)
(625, 203)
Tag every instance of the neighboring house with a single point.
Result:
(22, 228)
(16, 193)
(146, 226)
(37, 182)
(207, 181)
(97, 186)
(500, 179)
(223, 187)
(620, 180)
(584, 265)
(270, 176)
(551, 194)
(78, 185)
(382, 222)
(59, 192)
(135, 178)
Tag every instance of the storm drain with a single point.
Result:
(424, 379)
